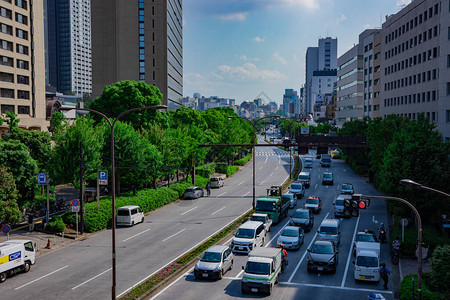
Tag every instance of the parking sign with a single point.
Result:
(103, 177)
(42, 178)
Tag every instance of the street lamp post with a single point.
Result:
(419, 238)
(113, 222)
(253, 148)
(418, 186)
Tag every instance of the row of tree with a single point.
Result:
(148, 144)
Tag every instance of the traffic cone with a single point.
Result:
(48, 245)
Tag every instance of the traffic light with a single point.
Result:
(354, 204)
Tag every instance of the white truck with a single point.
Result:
(16, 256)
(367, 261)
(263, 218)
(262, 270)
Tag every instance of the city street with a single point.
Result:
(296, 282)
(83, 270)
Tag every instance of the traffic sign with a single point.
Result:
(103, 177)
(75, 208)
(42, 178)
(75, 202)
(6, 228)
(304, 130)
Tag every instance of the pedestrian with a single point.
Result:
(384, 273)
(30, 222)
(284, 255)
(208, 189)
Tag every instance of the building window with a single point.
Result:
(21, 79)
(21, 19)
(9, 62)
(21, 49)
(22, 64)
(23, 110)
(23, 94)
(21, 3)
(6, 29)
(6, 93)
(21, 34)
(5, 13)
(6, 77)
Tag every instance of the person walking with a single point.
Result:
(384, 274)
(208, 189)
(31, 222)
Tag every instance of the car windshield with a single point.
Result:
(211, 257)
(245, 233)
(365, 238)
(312, 201)
(214, 179)
(322, 249)
(258, 218)
(327, 176)
(301, 215)
(295, 186)
(190, 190)
(339, 202)
(303, 177)
(308, 160)
(290, 232)
(367, 261)
(288, 197)
(347, 187)
(257, 268)
(328, 230)
(265, 206)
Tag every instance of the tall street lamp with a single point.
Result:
(418, 186)
(419, 238)
(253, 147)
(113, 224)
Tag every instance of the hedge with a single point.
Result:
(406, 288)
(243, 161)
(56, 225)
(206, 170)
(221, 167)
(231, 169)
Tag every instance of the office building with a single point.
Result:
(415, 60)
(68, 46)
(22, 63)
(291, 103)
(138, 40)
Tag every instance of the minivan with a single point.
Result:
(248, 236)
(330, 230)
(305, 178)
(339, 205)
(129, 215)
(325, 161)
(216, 182)
(298, 189)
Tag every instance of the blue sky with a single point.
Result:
(238, 48)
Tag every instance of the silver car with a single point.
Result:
(291, 237)
(193, 192)
(217, 260)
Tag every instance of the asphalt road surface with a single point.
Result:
(296, 282)
(83, 270)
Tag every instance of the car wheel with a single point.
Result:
(132, 224)
(27, 267)
(3, 277)
(142, 221)
(220, 275)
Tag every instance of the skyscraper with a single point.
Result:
(22, 81)
(68, 45)
(138, 40)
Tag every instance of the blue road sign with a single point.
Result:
(103, 177)
(6, 228)
(42, 178)
(75, 202)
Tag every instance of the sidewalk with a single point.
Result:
(409, 266)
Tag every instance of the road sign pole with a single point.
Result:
(7, 236)
(76, 217)
(98, 190)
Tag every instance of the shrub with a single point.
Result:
(440, 265)
(231, 169)
(201, 181)
(206, 170)
(179, 187)
(56, 225)
(221, 168)
(405, 288)
(243, 161)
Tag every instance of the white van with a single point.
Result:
(248, 236)
(16, 256)
(367, 263)
(129, 215)
(330, 230)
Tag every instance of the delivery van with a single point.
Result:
(16, 256)
(129, 215)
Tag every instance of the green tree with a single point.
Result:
(12, 120)
(58, 124)
(9, 210)
(124, 95)
(440, 264)
(16, 157)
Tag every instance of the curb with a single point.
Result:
(400, 269)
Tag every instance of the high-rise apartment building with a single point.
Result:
(68, 45)
(138, 40)
(323, 57)
(291, 102)
(415, 63)
(22, 64)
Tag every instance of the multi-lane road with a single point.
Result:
(296, 282)
(83, 270)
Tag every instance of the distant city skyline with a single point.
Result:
(236, 49)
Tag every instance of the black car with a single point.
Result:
(327, 178)
(322, 257)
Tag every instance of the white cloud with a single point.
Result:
(259, 39)
(403, 2)
(280, 58)
(311, 4)
(239, 16)
(367, 26)
(245, 73)
(244, 57)
(341, 19)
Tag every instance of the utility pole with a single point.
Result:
(81, 191)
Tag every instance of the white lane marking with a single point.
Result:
(83, 283)
(173, 235)
(241, 183)
(336, 287)
(316, 186)
(270, 242)
(217, 211)
(267, 157)
(261, 168)
(221, 194)
(271, 174)
(276, 167)
(135, 235)
(304, 254)
(279, 159)
(373, 220)
(239, 275)
(262, 182)
(350, 252)
(188, 211)
(42, 277)
(184, 253)
(246, 194)
(167, 287)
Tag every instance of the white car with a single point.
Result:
(217, 260)
(308, 162)
(291, 237)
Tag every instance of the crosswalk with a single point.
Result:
(272, 153)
